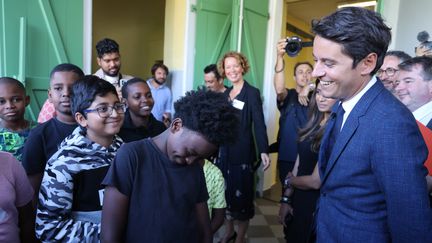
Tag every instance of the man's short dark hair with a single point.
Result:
(401, 55)
(424, 61)
(301, 63)
(159, 65)
(124, 89)
(212, 68)
(12, 81)
(67, 67)
(85, 90)
(105, 46)
(358, 30)
(210, 114)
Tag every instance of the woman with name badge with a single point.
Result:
(238, 162)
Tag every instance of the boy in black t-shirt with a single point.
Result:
(43, 141)
(156, 191)
(139, 122)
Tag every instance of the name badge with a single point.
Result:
(101, 196)
(238, 104)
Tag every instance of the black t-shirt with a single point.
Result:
(42, 143)
(162, 194)
(129, 132)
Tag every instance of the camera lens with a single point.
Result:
(294, 46)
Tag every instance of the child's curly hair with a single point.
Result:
(210, 114)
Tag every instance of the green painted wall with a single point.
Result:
(138, 27)
(218, 31)
(50, 33)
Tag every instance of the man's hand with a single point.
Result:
(265, 160)
(303, 98)
(280, 47)
(283, 211)
(166, 117)
(422, 50)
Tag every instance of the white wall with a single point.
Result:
(270, 112)
(407, 18)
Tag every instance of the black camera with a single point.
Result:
(294, 45)
(423, 38)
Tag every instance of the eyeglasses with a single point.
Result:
(389, 72)
(106, 111)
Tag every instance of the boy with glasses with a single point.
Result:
(71, 195)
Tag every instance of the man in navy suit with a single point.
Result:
(373, 179)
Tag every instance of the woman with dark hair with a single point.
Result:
(237, 161)
(301, 187)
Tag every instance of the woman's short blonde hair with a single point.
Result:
(239, 57)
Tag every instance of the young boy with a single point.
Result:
(139, 122)
(14, 129)
(70, 199)
(155, 190)
(43, 140)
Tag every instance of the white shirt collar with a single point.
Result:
(113, 80)
(349, 105)
(424, 113)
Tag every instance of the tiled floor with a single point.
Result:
(264, 227)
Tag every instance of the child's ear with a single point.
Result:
(176, 125)
(80, 119)
(49, 95)
(27, 100)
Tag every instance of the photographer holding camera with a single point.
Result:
(293, 107)
(425, 46)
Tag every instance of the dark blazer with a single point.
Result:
(251, 123)
(373, 187)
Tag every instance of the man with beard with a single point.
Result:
(108, 59)
(161, 93)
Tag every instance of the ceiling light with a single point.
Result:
(359, 4)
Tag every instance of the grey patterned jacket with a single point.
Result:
(64, 213)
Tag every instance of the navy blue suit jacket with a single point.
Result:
(373, 187)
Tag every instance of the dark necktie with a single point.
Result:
(335, 131)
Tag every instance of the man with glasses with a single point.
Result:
(387, 72)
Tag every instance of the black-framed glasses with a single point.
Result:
(107, 110)
(389, 72)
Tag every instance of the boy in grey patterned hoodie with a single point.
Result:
(70, 198)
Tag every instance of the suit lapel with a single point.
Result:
(350, 127)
